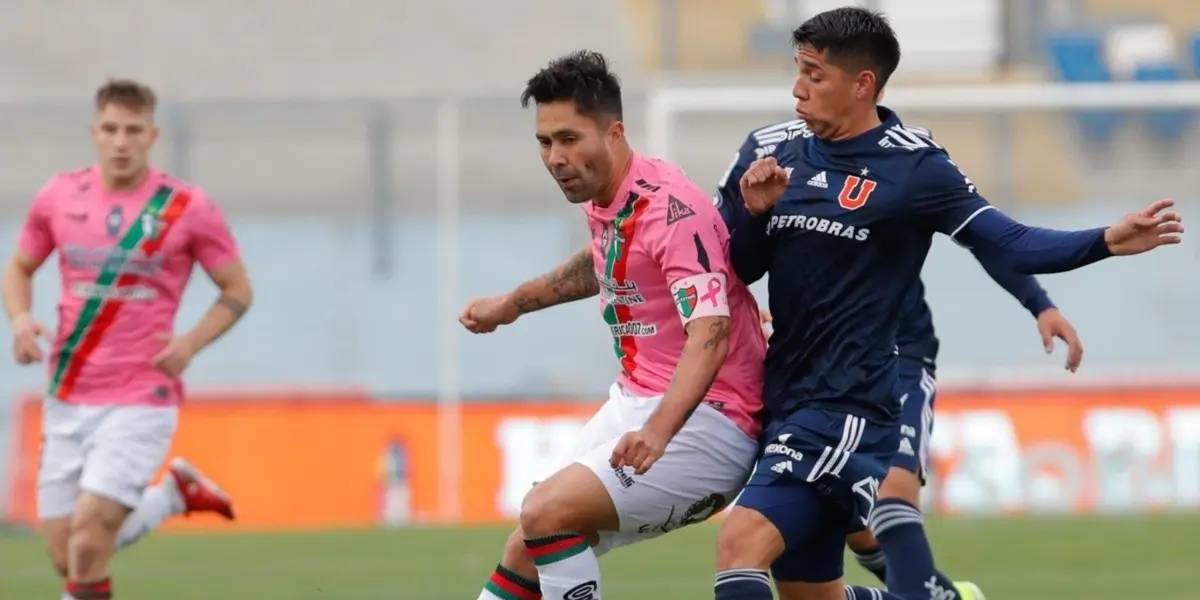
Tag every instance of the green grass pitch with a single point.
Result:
(1025, 558)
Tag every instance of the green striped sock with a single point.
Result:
(567, 567)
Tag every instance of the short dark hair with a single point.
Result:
(127, 93)
(855, 37)
(583, 78)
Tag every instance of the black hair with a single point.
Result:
(854, 37)
(583, 78)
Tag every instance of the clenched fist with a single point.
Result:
(485, 315)
(763, 185)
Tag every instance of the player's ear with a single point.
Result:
(616, 131)
(865, 88)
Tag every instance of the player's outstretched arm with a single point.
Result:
(703, 354)
(946, 200)
(574, 279)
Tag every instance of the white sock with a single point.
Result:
(67, 596)
(567, 567)
(158, 504)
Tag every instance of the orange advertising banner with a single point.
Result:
(344, 461)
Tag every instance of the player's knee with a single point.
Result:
(544, 512)
(747, 540)
(901, 484)
(88, 549)
(571, 500)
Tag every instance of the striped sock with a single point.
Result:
(507, 585)
(94, 590)
(858, 592)
(743, 584)
(901, 533)
(566, 566)
(873, 561)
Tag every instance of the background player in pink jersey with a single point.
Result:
(127, 237)
(674, 443)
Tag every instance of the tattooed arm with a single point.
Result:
(703, 354)
(574, 279)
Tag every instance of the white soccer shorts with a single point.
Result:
(111, 451)
(701, 472)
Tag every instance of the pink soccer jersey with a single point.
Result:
(125, 258)
(661, 253)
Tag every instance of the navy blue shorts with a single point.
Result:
(816, 481)
(917, 391)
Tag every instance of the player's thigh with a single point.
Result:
(126, 450)
(701, 471)
(819, 468)
(572, 499)
(61, 457)
(917, 390)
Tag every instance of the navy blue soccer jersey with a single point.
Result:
(844, 249)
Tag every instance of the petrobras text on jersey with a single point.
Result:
(818, 224)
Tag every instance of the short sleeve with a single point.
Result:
(944, 198)
(692, 248)
(37, 233)
(212, 244)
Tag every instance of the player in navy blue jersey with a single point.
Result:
(897, 521)
(843, 259)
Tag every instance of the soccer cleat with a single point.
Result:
(199, 493)
(968, 591)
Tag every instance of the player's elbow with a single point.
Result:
(21, 266)
(234, 282)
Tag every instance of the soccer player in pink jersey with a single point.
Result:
(127, 237)
(675, 441)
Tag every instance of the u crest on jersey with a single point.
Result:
(855, 192)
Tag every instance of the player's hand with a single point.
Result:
(1144, 231)
(639, 449)
(27, 336)
(763, 185)
(484, 315)
(175, 357)
(1052, 324)
(764, 320)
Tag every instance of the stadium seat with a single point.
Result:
(1194, 54)
(1167, 125)
(1078, 57)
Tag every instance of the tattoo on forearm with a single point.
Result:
(233, 304)
(573, 280)
(717, 331)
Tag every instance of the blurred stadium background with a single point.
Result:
(378, 171)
